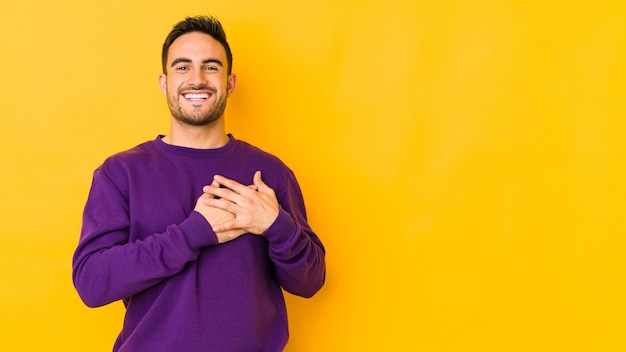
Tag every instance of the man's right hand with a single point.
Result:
(216, 216)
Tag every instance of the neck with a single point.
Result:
(198, 137)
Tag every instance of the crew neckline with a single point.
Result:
(195, 152)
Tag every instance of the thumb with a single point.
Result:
(258, 181)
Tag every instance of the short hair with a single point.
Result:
(203, 24)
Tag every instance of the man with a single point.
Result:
(196, 231)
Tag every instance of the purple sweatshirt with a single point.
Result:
(142, 242)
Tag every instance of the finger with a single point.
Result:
(213, 184)
(225, 193)
(225, 226)
(261, 186)
(220, 203)
(258, 181)
(232, 184)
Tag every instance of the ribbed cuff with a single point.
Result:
(282, 231)
(198, 231)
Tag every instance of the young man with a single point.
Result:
(196, 231)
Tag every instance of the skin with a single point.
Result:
(197, 86)
(197, 64)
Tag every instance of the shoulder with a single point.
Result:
(275, 173)
(130, 158)
(260, 157)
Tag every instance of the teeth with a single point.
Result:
(196, 96)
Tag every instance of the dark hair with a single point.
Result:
(203, 24)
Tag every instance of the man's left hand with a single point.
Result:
(255, 206)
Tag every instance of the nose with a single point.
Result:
(196, 78)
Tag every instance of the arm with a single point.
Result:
(108, 267)
(295, 250)
(298, 255)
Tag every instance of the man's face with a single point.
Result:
(197, 84)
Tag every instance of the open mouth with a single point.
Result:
(196, 96)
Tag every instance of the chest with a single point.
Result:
(164, 193)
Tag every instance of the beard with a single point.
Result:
(197, 117)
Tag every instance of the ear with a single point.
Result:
(232, 81)
(163, 83)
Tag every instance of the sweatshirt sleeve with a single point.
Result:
(296, 251)
(108, 267)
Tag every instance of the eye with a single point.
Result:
(210, 68)
(181, 68)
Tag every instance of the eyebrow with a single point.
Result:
(204, 62)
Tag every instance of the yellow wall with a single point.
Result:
(463, 161)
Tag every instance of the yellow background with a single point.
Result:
(463, 161)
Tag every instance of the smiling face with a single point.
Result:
(196, 82)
